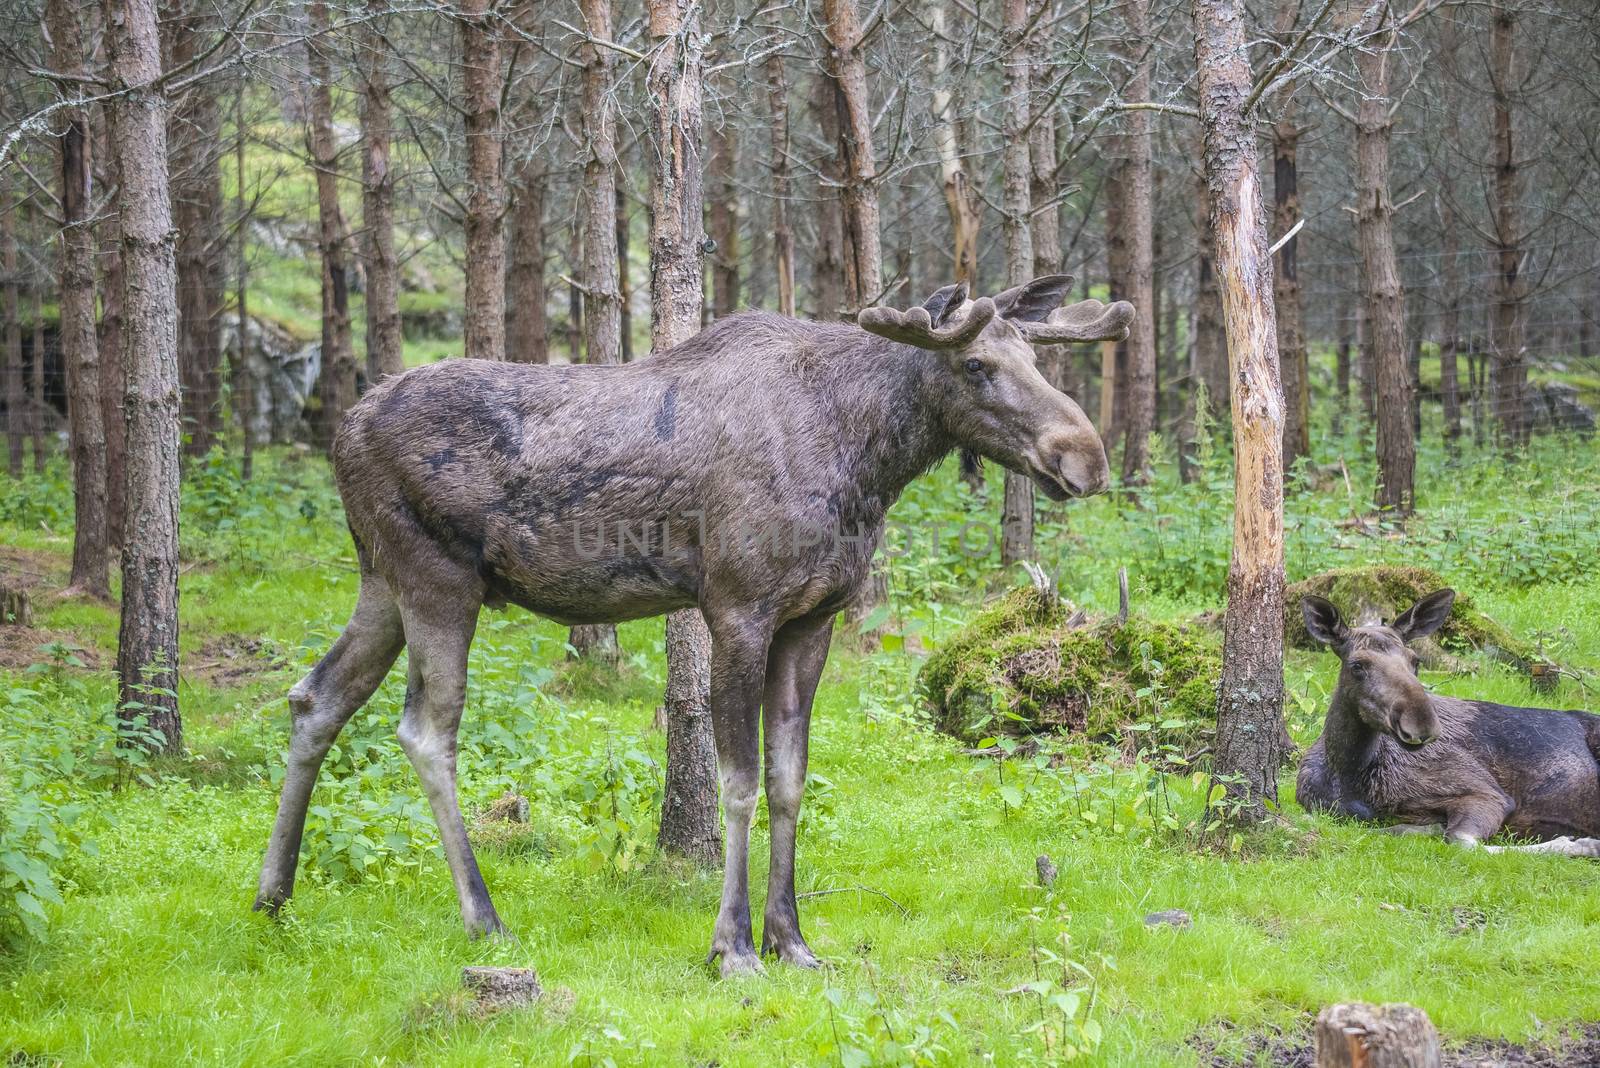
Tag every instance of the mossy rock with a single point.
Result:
(1028, 664)
(1369, 594)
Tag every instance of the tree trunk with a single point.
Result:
(385, 336)
(197, 206)
(1016, 521)
(1251, 742)
(1385, 299)
(1450, 248)
(624, 285)
(1138, 218)
(36, 400)
(1376, 1036)
(723, 215)
(485, 326)
(1293, 362)
(846, 64)
(827, 261)
(1341, 372)
(689, 804)
(1113, 354)
(529, 331)
(16, 399)
(336, 385)
(244, 383)
(79, 347)
(782, 232)
(960, 198)
(109, 340)
(602, 323)
(147, 643)
(1045, 219)
(1210, 341)
(1507, 340)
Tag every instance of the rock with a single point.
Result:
(1554, 406)
(1047, 870)
(1169, 918)
(502, 988)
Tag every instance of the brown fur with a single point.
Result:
(1391, 750)
(745, 472)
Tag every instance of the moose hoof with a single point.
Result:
(792, 951)
(738, 962)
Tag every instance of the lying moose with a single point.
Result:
(1467, 769)
(594, 494)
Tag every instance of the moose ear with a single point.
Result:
(1032, 301)
(944, 303)
(1426, 616)
(1323, 621)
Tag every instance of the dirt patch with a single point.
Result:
(22, 647)
(233, 660)
(31, 568)
(1275, 1049)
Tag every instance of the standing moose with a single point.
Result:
(594, 494)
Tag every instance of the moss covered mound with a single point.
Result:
(1028, 663)
(1365, 594)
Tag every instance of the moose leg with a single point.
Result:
(738, 665)
(320, 705)
(1569, 847)
(794, 665)
(436, 690)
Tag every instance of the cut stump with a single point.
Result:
(502, 988)
(1359, 1035)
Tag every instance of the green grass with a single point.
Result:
(154, 957)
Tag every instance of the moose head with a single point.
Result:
(1378, 672)
(993, 399)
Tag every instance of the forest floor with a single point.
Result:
(940, 945)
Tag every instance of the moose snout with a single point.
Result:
(1415, 728)
(1080, 466)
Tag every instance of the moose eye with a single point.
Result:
(974, 365)
(1358, 668)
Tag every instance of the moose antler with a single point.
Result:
(1087, 320)
(915, 327)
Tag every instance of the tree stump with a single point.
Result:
(1376, 1036)
(502, 988)
(15, 606)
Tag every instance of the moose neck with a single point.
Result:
(889, 408)
(1350, 744)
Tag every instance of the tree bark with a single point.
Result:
(36, 403)
(1507, 338)
(336, 385)
(846, 65)
(16, 399)
(1016, 521)
(1138, 218)
(485, 326)
(602, 323)
(1450, 248)
(960, 197)
(1385, 298)
(689, 823)
(109, 339)
(147, 643)
(1251, 740)
(196, 177)
(782, 232)
(723, 215)
(244, 383)
(385, 336)
(1210, 341)
(79, 346)
(1293, 360)
(624, 285)
(529, 330)
(827, 259)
